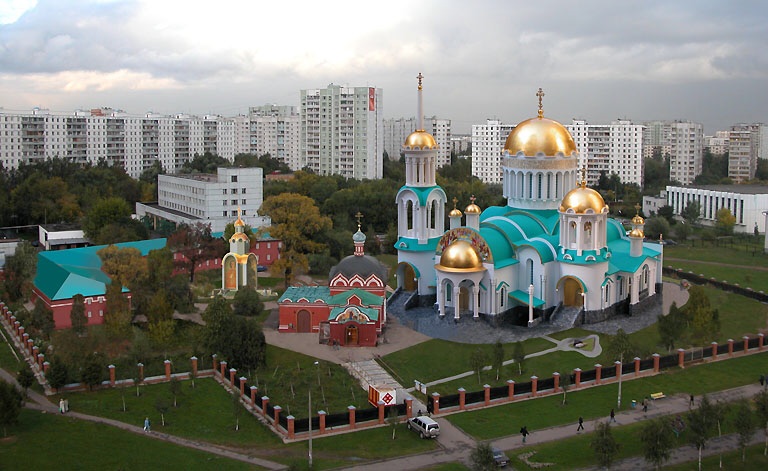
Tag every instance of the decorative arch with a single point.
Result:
(571, 289)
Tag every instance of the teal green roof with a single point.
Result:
(310, 293)
(522, 297)
(368, 299)
(62, 274)
(523, 230)
(408, 244)
(422, 193)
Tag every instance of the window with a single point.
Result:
(224, 191)
(234, 179)
(243, 201)
(234, 191)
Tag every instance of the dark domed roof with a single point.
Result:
(363, 265)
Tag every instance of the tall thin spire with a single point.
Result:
(421, 104)
(540, 94)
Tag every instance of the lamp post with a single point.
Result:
(309, 412)
(618, 372)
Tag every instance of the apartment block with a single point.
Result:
(397, 130)
(487, 145)
(745, 147)
(615, 148)
(341, 131)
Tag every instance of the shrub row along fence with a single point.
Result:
(289, 427)
(723, 285)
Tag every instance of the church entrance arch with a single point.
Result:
(463, 298)
(303, 322)
(572, 290)
(351, 335)
(406, 277)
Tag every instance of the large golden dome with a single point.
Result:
(420, 140)
(581, 199)
(460, 256)
(540, 134)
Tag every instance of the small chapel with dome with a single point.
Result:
(550, 253)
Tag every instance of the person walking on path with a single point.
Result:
(613, 416)
(581, 424)
(147, 425)
(524, 432)
(645, 406)
(690, 404)
(61, 405)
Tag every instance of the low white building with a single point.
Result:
(208, 198)
(746, 202)
(651, 204)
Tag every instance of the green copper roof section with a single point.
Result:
(409, 244)
(62, 274)
(422, 193)
(368, 299)
(522, 297)
(312, 294)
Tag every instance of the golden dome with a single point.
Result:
(472, 209)
(636, 233)
(455, 213)
(239, 236)
(239, 222)
(581, 199)
(460, 256)
(420, 140)
(638, 220)
(540, 134)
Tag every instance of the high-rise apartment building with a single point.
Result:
(717, 144)
(274, 130)
(615, 148)
(342, 131)
(682, 142)
(397, 130)
(132, 142)
(744, 149)
(487, 145)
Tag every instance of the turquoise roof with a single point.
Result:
(522, 297)
(368, 299)
(422, 193)
(62, 274)
(518, 232)
(412, 245)
(310, 293)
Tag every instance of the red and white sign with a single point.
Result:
(371, 99)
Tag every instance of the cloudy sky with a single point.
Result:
(701, 60)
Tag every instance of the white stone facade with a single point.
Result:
(746, 203)
(487, 145)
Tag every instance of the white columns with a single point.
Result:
(456, 302)
(476, 301)
(530, 305)
(440, 300)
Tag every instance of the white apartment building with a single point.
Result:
(610, 148)
(208, 198)
(717, 144)
(487, 145)
(397, 130)
(102, 134)
(342, 131)
(746, 145)
(274, 130)
(460, 143)
(746, 202)
(686, 151)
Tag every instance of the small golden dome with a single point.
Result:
(472, 209)
(540, 135)
(239, 236)
(455, 213)
(460, 256)
(638, 220)
(636, 233)
(581, 199)
(420, 140)
(239, 222)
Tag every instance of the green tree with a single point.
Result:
(91, 372)
(103, 213)
(42, 318)
(117, 314)
(682, 231)
(206, 163)
(497, 357)
(481, 458)
(247, 303)
(761, 411)
(58, 374)
(247, 346)
(77, 314)
(703, 320)
(175, 387)
(161, 332)
(655, 227)
(218, 317)
(237, 409)
(604, 445)
(565, 383)
(19, 270)
(195, 244)
(620, 346)
(125, 265)
(671, 327)
(725, 222)
(25, 378)
(297, 222)
(477, 360)
(518, 355)
(657, 439)
(745, 426)
(667, 212)
(392, 420)
(10, 405)
(702, 424)
(692, 212)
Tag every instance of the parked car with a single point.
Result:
(426, 427)
(499, 457)
(261, 268)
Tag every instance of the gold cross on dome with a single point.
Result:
(359, 216)
(420, 77)
(455, 200)
(472, 199)
(583, 176)
(540, 94)
(637, 209)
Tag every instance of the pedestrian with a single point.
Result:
(691, 403)
(66, 405)
(581, 424)
(524, 432)
(613, 416)
(645, 406)
(147, 425)
(762, 380)
(419, 413)
(61, 405)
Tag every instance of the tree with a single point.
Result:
(565, 383)
(248, 347)
(91, 371)
(518, 355)
(206, 163)
(103, 213)
(702, 423)
(247, 303)
(77, 314)
(725, 222)
(620, 346)
(482, 458)
(761, 410)
(195, 244)
(671, 326)
(656, 226)
(692, 212)
(175, 387)
(237, 409)
(125, 266)
(10, 405)
(682, 231)
(657, 438)
(604, 444)
(42, 318)
(745, 426)
(392, 420)
(162, 405)
(704, 321)
(476, 361)
(218, 317)
(25, 378)
(117, 314)
(497, 357)
(58, 374)
(19, 270)
(667, 212)
(297, 222)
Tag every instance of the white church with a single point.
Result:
(551, 251)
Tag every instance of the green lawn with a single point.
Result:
(46, 441)
(7, 359)
(755, 279)
(736, 255)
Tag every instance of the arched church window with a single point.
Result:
(530, 185)
(448, 292)
(607, 293)
(588, 228)
(557, 185)
(503, 294)
(409, 215)
(530, 271)
(538, 187)
(549, 185)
